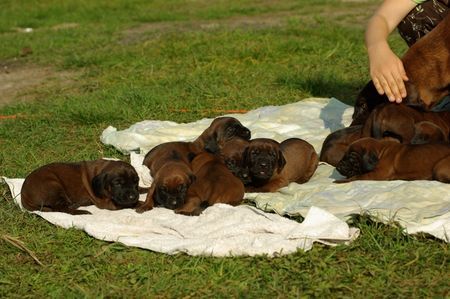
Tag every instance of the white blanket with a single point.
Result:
(419, 206)
(221, 230)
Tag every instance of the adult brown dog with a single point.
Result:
(221, 130)
(337, 143)
(170, 167)
(214, 184)
(372, 159)
(399, 121)
(273, 165)
(232, 154)
(63, 187)
(427, 65)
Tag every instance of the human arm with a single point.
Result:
(386, 69)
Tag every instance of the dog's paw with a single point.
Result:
(141, 209)
(342, 181)
(194, 212)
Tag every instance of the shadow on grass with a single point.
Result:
(325, 85)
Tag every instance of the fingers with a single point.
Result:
(391, 85)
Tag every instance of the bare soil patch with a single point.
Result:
(19, 82)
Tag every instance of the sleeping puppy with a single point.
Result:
(337, 143)
(232, 154)
(427, 66)
(398, 121)
(214, 184)
(273, 165)
(170, 167)
(221, 130)
(402, 122)
(372, 159)
(63, 187)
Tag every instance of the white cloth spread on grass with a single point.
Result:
(221, 230)
(419, 206)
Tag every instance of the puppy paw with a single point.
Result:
(141, 209)
(195, 212)
(342, 181)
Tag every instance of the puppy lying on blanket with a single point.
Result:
(170, 167)
(63, 187)
(214, 184)
(170, 163)
(232, 154)
(273, 165)
(337, 143)
(398, 121)
(428, 69)
(405, 123)
(221, 130)
(372, 159)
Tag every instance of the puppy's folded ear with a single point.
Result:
(211, 145)
(281, 161)
(99, 185)
(245, 133)
(192, 178)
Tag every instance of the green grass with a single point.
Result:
(136, 60)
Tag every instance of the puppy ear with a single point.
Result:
(369, 161)
(190, 156)
(99, 185)
(281, 161)
(211, 145)
(192, 178)
(245, 133)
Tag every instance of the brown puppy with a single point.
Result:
(427, 65)
(337, 143)
(169, 165)
(232, 154)
(402, 122)
(398, 121)
(214, 184)
(372, 159)
(221, 130)
(273, 165)
(63, 187)
(169, 187)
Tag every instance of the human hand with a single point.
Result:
(387, 72)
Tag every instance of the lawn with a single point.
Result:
(71, 68)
